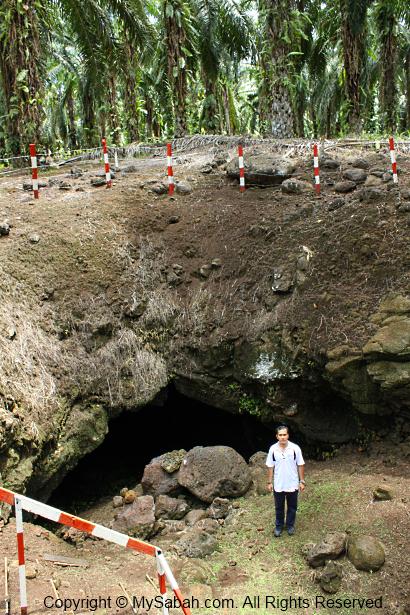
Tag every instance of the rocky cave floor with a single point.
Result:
(249, 560)
(77, 242)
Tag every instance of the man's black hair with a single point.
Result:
(282, 427)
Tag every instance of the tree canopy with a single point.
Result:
(73, 71)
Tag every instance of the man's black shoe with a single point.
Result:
(277, 532)
(291, 531)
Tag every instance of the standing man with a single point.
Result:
(289, 478)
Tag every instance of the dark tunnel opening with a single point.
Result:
(134, 438)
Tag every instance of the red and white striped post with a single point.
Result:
(20, 555)
(162, 584)
(174, 585)
(106, 164)
(393, 160)
(171, 185)
(241, 169)
(34, 169)
(316, 168)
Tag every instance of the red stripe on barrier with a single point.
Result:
(140, 546)
(20, 548)
(171, 186)
(106, 164)
(394, 167)
(240, 150)
(391, 142)
(181, 601)
(162, 584)
(316, 167)
(6, 496)
(34, 170)
(76, 522)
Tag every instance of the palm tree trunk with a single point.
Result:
(177, 75)
(353, 39)
(114, 121)
(72, 132)
(89, 119)
(407, 86)
(387, 22)
(20, 73)
(131, 118)
(210, 116)
(276, 66)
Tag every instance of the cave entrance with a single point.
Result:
(134, 438)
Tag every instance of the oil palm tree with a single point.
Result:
(25, 35)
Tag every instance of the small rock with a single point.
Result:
(216, 263)
(29, 186)
(117, 501)
(205, 271)
(31, 571)
(123, 491)
(295, 186)
(345, 186)
(404, 208)
(195, 515)
(34, 238)
(206, 169)
(196, 543)
(65, 186)
(336, 204)
(131, 168)
(219, 508)
(76, 171)
(387, 177)
(97, 182)
(4, 229)
(360, 163)
(170, 508)
(129, 496)
(183, 188)
(330, 578)
(355, 175)
(173, 220)
(382, 493)
(329, 163)
(171, 462)
(159, 188)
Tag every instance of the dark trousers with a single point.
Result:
(292, 506)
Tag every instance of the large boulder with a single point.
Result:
(137, 519)
(156, 481)
(331, 547)
(214, 471)
(365, 553)
(262, 169)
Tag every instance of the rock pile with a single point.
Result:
(186, 495)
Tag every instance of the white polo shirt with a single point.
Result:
(286, 462)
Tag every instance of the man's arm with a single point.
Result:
(301, 472)
(270, 476)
